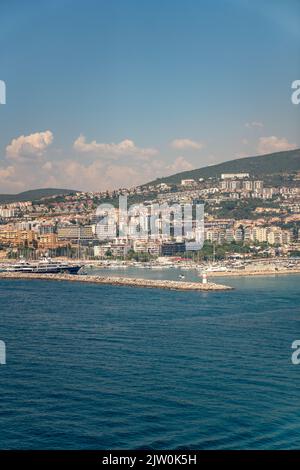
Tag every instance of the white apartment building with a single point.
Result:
(6, 213)
(188, 182)
(225, 176)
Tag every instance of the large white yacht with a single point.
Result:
(44, 266)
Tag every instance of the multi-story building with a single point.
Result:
(7, 213)
(188, 182)
(147, 246)
(260, 234)
(278, 236)
(172, 248)
(229, 235)
(15, 238)
(48, 241)
(213, 235)
(76, 232)
(239, 235)
(118, 250)
(225, 176)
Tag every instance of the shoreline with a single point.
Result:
(246, 273)
(120, 281)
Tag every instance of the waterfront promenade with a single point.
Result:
(120, 281)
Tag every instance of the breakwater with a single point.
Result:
(120, 281)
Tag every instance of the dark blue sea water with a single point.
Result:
(102, 367)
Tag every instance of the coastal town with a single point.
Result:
(149, 232)
(246, 222)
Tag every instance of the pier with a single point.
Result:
(120, 281)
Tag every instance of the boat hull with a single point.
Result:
(72, 269)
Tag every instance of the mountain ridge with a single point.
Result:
(260, 165)
(34, 195)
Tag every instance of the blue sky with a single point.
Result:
(103, 94)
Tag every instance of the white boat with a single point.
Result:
(217, 268)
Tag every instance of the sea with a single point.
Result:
(104, 367)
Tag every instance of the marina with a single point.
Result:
(168, 269)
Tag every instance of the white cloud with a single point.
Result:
(29, 166)
(7, 172)
(180, 164)
(125, 147)
(28, 147)
(181, 144)
(274, 144)
(252, 124)
(99, 175)
(10, 180)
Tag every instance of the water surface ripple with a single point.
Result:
(104, 367)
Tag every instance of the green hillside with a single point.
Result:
(33, 195)
(259, 166)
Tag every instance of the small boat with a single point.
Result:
(216, 268)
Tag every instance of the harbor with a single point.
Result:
(163, 269)
(262, 267)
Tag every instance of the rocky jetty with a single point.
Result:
(120, 281)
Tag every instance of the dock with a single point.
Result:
(119, 281)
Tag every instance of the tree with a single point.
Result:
(108, 253)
